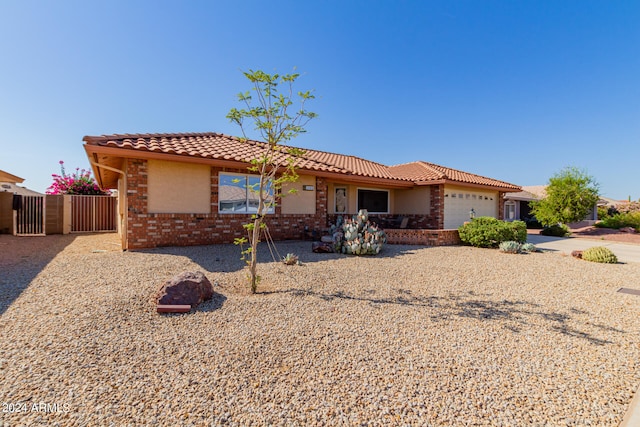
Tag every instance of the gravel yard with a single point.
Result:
(451, 336)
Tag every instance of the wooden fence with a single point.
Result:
(93, 213)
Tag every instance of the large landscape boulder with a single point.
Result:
(188, 288)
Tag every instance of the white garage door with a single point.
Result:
(458, 205)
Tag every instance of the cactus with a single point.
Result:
(528, 247)
(357, 236)
(510, 247)
(290, 259)
(599, 254)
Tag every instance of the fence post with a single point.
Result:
(66, 214)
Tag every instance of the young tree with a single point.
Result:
(270, 111)
(571, 195)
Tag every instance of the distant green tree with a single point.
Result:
(571, 195)
(276, 120)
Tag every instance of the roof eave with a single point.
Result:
(513, 189)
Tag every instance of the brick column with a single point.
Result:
(436, 214)
(322, 194)
(136, 193)
(501, 205)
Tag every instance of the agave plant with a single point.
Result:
(290, 259)
(510, 247)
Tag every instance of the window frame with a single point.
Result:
(377, 190)
(247, 204)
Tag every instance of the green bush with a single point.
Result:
(529, 247)
(630, 219)
(599, 254)
(603, 212)
(489, 232)
(557, 230)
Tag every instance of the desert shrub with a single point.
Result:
(528, 247)
(599, 254)
(489, 232)
(557, 230)
(629, 219)
(510, 247)
(604, 212)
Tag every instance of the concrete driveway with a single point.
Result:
(626, 252)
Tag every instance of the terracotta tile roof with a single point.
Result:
(423, 172)
(225, 147)
(216, 146)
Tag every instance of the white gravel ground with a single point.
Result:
(453, 336)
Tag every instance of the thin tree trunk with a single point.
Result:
(257, 222)
(254, 253)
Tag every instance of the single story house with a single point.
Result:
(516, 204)
(191, 189)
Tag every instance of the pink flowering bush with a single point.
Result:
(81, 182)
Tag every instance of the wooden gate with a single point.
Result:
(93, 213)
(29, 215)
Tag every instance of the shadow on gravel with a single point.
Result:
(215, 303)
(226, 258)
(26, 257)
(515, 314)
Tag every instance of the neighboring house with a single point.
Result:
(11, 198)
(190, 189)
(516, 204)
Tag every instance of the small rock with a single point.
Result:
(577, 254)
(321, 247)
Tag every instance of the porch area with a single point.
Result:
(409, 229)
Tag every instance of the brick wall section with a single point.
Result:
(436, 216)
(423, 237)
(501, 205)
(148, 230)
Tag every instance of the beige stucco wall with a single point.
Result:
(456, 209)
(174, 187)
(302, 202)
(414, 201)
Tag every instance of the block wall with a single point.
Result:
(423, 237)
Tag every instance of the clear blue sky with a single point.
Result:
(514, 90)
